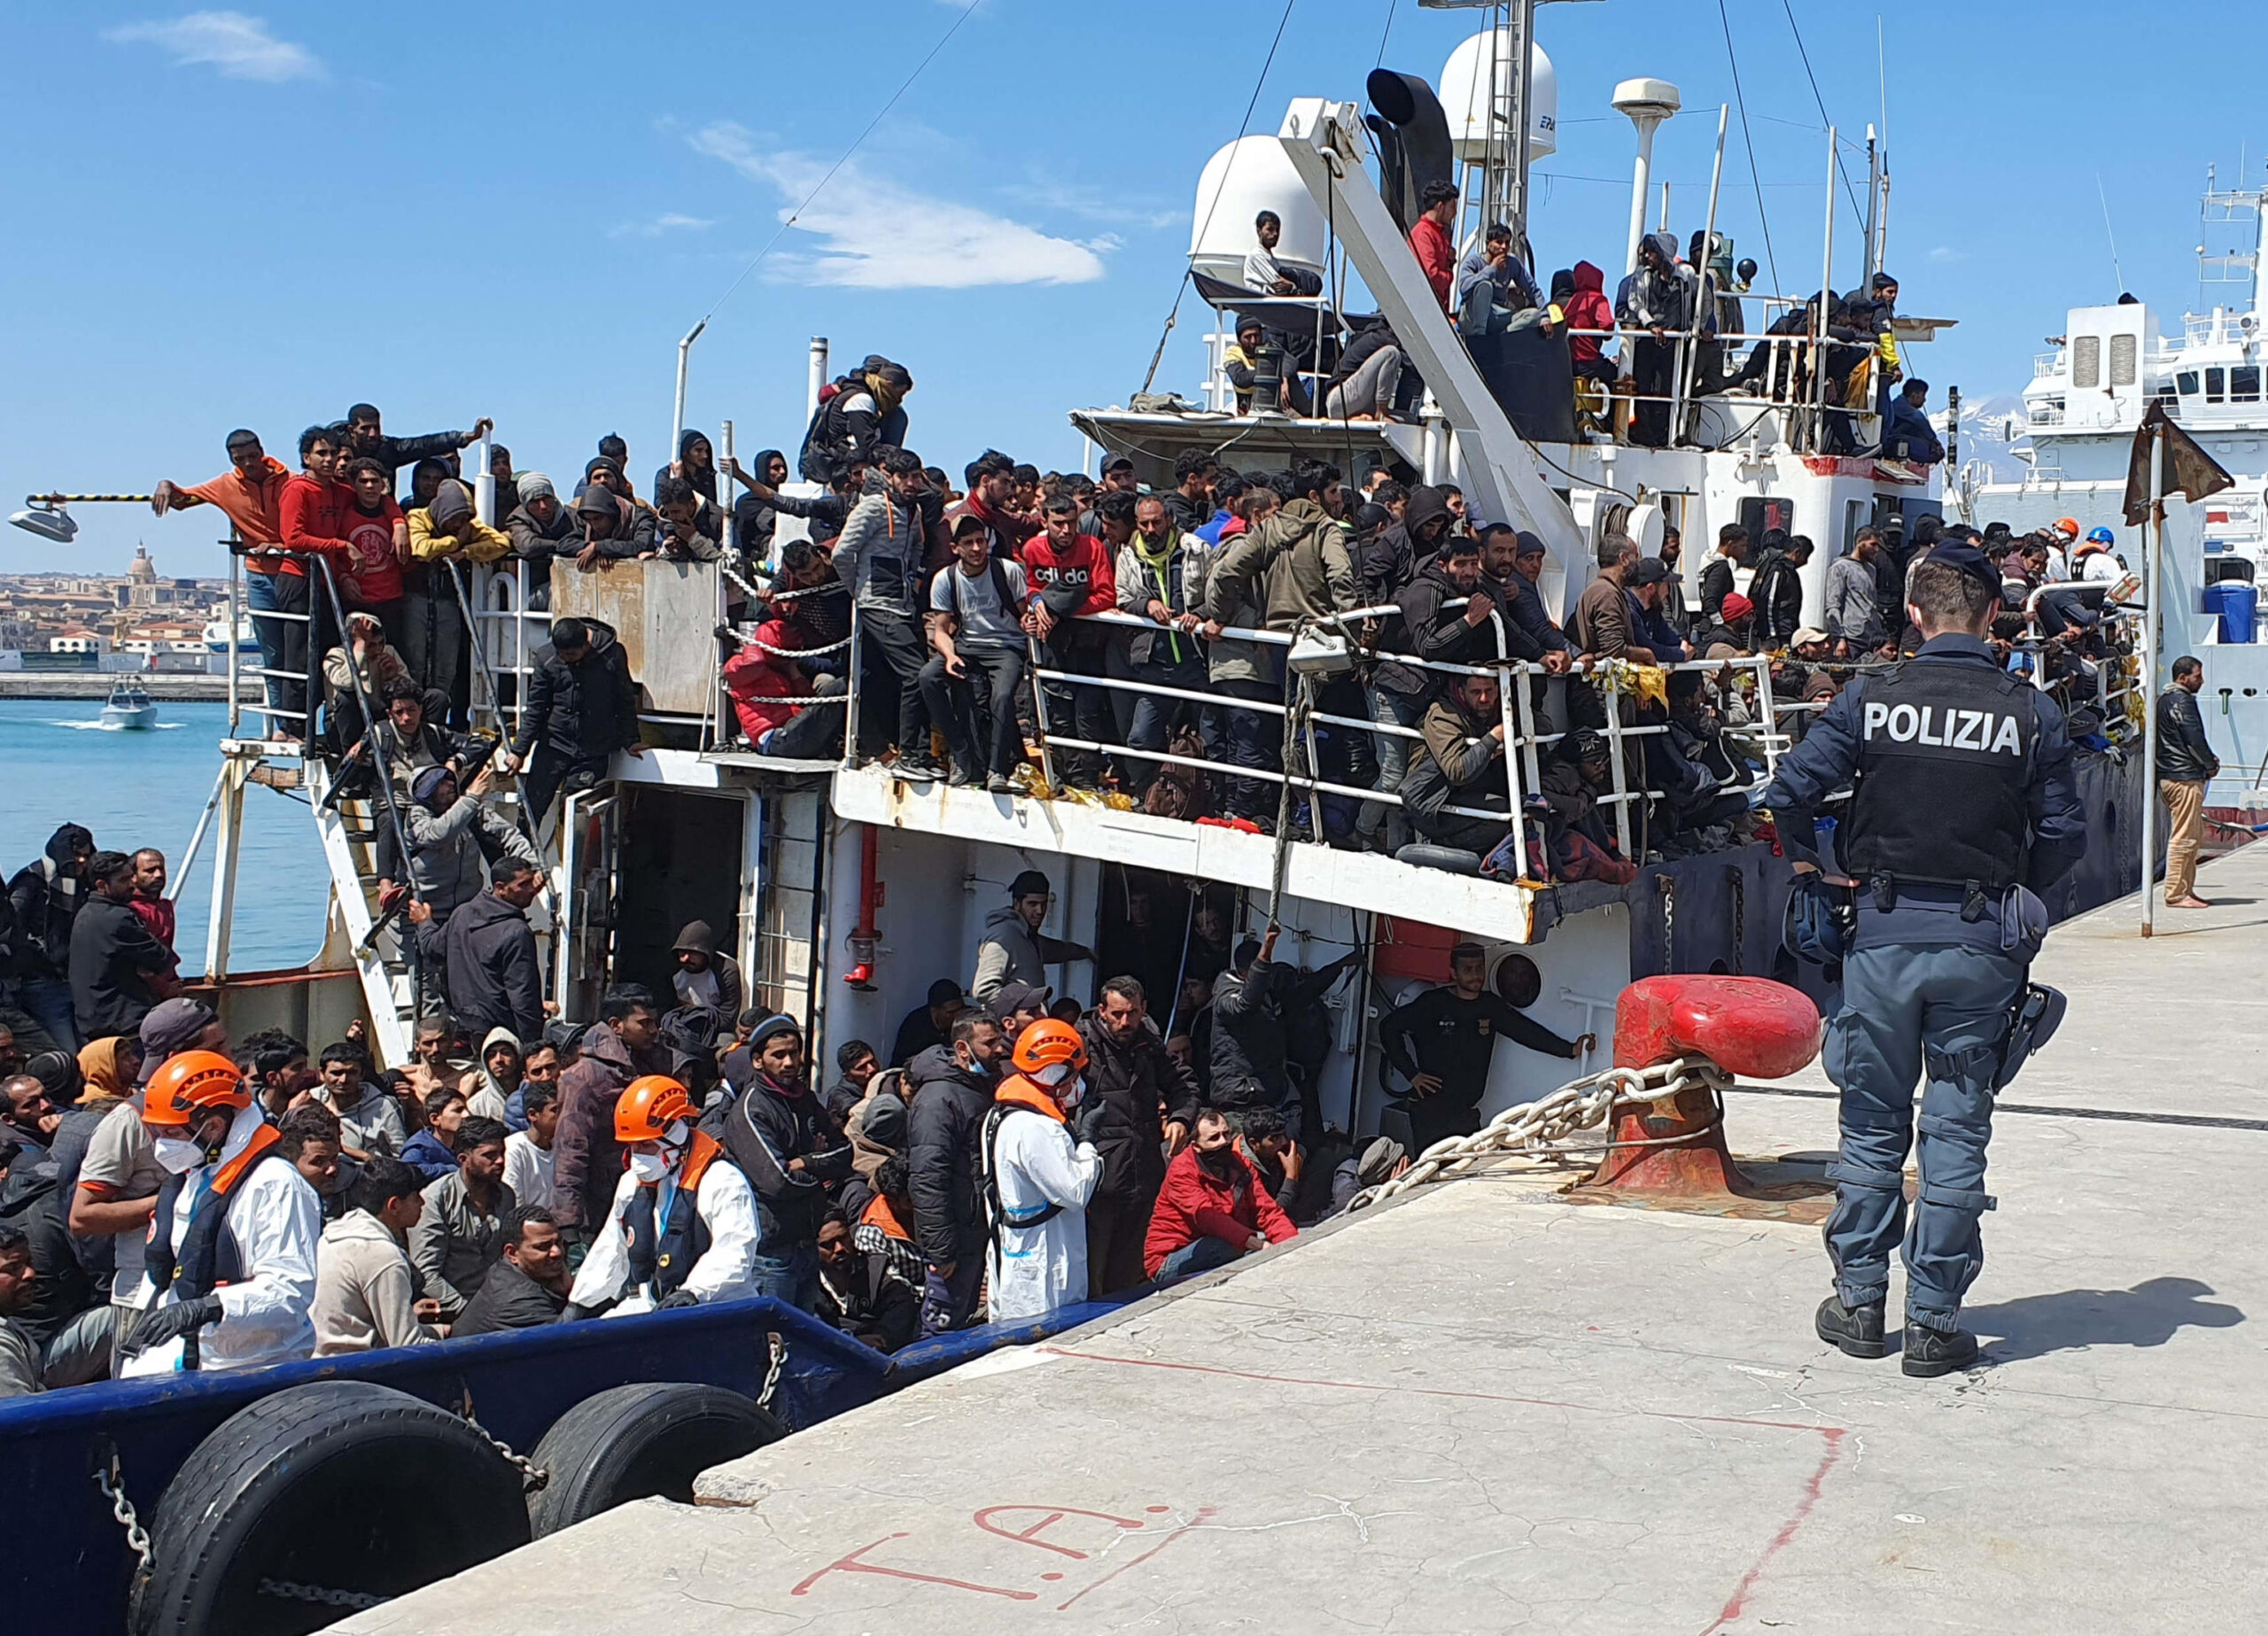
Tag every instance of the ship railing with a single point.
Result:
(2046, 366)
(2109, 682)
(1789, 383)
(1529, 733)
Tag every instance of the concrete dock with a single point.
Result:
(1483, 1408)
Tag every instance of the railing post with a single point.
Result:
(1038, 710)
(851, 701)
(1621, 780)
(236, 624)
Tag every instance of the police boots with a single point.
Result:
(1856, 1329)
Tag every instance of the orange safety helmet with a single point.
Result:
(1048, 1044)
(193, 1083)
(649, 1108)
(2068, 526)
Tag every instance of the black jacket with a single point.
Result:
(942, 1131)
(763, 1129)
(495, 978)
(1439, 633)
(62, 1289)
(1141, 1087)
(43, 902)
(1388, 566)
(112, 957)
(1716, 586)
(394, 453)
(2184, 754)
(508, 1298)
(1778, 590)
(588, 709)
(1248, 1038)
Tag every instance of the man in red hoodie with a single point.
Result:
(1212, 1208)
(1071, 574)
(1430, 237)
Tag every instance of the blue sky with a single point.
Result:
(258, 217)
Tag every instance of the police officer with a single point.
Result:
(1962, 807)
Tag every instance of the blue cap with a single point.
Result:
(1965, 558)
(2100, 536)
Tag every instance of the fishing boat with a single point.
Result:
(849, 889)
(130, 707)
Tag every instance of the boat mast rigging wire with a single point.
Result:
(1755, 177)
(1243, 126)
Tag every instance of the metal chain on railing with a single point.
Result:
(112, 1483)
(533, 1476)
(292, 1589)
(779, 1345)
(1538, 1126)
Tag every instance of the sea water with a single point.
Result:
(58, 764)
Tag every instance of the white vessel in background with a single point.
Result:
(130, 707)
(2075, 441)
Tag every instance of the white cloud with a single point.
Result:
(240, 46)
(1092, 204)
(669, 222)
(1945, 255)
(876, 233)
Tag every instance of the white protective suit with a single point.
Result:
(1037, 1269)
(276, 1221)
(725, 1273)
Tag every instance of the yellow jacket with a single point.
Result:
(483, 545)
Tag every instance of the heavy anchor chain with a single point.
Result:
(112, 1481)
(1542, 1125)
(778, 1346)
(533, 1477)
(292, 1589)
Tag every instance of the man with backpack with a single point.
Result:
(866, 411)
(977, 610)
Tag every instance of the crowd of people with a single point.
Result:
(1671, 314)
(172, 1198)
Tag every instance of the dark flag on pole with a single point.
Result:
(2187, 470)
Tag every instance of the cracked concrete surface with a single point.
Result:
(1486, 1410)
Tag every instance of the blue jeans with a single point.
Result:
(1154, 717)
(49, 1001)
(282, 645)
(1389, 709)
(1908, 1009)
(1199, 1255)
(792, 1278)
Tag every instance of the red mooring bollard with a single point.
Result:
(1744, 1024)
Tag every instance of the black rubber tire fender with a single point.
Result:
(640, 1442)
(340, 1484)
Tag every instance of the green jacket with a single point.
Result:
(1294, 566)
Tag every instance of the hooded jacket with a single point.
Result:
(365, 1291)
(698, 937)
(882, 551)
(449, 851)
(1294, 566)
(582, 710)
(1589, 310)
(1142, 1087)
(495, 975)
(534, 544)
(491, 1100)
(1650, 299)
(942, 1131)
(1013, 952)
(42, 901)
(1385, 564)
(1248, 1051)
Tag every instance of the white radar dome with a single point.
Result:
(1249, 176)
(1467, 99)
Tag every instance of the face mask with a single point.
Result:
(1071, 1093)
(1220, 1159)
(650, 1166)
(178, 1158)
